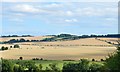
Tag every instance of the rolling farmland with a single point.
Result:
(59, 50)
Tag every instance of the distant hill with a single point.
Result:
(61, 37)
(17, 36)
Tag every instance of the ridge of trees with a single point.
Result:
(75, 37)
(16, 36)
(61, 37)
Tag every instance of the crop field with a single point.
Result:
(88, 48)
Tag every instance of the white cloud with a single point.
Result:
(54, 5)
(90, 11)
(69, 13)
(86, 11)
(71, 20)
(25, 8)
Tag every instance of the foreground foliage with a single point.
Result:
(84, 66)
(33, 66)
(113, 62)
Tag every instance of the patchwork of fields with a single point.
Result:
(60, 50)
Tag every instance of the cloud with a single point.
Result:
(91, 11)
(54, 5)
(58, 13)
(71, 20)
(25, 8)
(69, 13)
(64, 11)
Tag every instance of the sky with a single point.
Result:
(48, 18)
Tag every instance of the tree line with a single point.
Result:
(61, 37)
(64, 37)
(16, 36)
(19, 40)
(69, 35)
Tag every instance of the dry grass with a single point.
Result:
(60, 50)
(113, 40)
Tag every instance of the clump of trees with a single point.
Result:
(61, 37)
(4, 48)
(16, 46)
(37, 59)
(19, 40)
(84, 66)
(16, 40)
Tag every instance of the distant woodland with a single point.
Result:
(61, 37)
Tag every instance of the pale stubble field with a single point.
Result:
(61, 50)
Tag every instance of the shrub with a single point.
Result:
(7, 66)
(21, 58)
(4, 48)
(93, 59)
(10, 46)
(30, 65)
(54, 67)
(82, 66)
(41, 59)
(16, 46)
(101, 59)
(96, 67)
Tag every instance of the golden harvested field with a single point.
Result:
(113, 40)
(61, 50)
